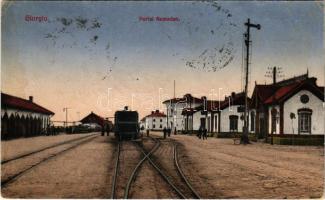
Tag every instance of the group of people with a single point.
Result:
(203, 133)
(167, 131)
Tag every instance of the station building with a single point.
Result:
(95, 120)
(290, 107)
(175, 118)
(155, 121)
(294, 106)
(22, 118)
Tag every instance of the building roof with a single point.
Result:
(280, 91)
(156, 113)
(9, 101)
(234, 99)
(94, 118)
(285, 92)
(187, 98)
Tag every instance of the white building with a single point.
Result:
(22, 118)
(232, 114)
(292, 106)
(175, 107)
(155, 121)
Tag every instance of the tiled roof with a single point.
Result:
(281, 92)
(188, 98)
(237, 99)
(156, 114)
(174, 100)
(92, 117)
(285, 92)
(9, 101)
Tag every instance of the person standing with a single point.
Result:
(205, 134)
(199, 134)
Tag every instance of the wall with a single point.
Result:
(294, 103)
(224, 117)
(159, 123)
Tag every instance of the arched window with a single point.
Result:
(233, 123)
(304, 120)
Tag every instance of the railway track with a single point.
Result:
(18, 173)
(42, 149)
(132, 173)
(197, 196)
(167, 160)
(182, 186)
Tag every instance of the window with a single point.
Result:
(233, 122)
(216, 123)
(160, 120)
(274, 113)
(252, 121)
(154, 120)
(160, 126)
(153, 126)
(304, 120)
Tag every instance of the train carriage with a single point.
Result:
(126, 124)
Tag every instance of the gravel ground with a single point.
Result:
(216, 168)
(16, 166)
(84, 172)
(219, 169)
(12, 148)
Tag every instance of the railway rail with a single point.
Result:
(197, 196)
(42, 149)
(147, 156)
(16, 175)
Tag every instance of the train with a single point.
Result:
(126, 124)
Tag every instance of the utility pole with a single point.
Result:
(66, 116)
(273, 73)
(244, 138)
(174, 88)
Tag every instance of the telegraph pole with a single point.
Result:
(66, 116)
(273, 73)
(244, 138)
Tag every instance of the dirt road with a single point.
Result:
(219, 169)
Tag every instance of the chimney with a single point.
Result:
(31, 98)
(233, 94)
(152, 112)
(157, 111)
(126, 108)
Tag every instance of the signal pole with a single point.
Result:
(66, 116)
(273, 73)
(244, 138)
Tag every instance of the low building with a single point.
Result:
(232, 114)
(205, 115)
(22, 118)
(155, 121)
(292, 106)
(96, 120)
(175, 107)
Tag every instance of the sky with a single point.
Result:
(99, 56)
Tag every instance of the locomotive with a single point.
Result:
(126, 124)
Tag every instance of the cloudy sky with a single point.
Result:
(98, 56)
